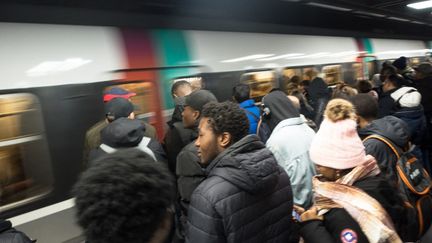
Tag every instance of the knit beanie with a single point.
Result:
(337, 144)
(400, 63)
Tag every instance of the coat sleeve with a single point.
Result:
(338, 226)
(189, 174)
(204, 223)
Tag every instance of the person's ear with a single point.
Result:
(224, 139)
(195, 114)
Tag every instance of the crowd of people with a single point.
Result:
(312, 163)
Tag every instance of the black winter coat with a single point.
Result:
(424, 86)
(246, 197)
(10, 235)
(395, 130)
(386, 104)
(338, 224)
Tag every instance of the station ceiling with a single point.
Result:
(367, 18)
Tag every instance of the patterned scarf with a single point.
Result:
(368, 212)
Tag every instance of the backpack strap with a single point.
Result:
(251, 113)
(382, 139)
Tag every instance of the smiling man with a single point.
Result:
(246, 196)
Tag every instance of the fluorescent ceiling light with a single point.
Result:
(421, 5)
(321, 5)
(51, 67)
(398, 19)
(280, 57)
(250, 57)
(370, 14)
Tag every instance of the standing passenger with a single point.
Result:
(391, 128)
(177, 135)
(241, 95)
(92, 136)
(289, 142)
(319, 94)
(246, 196)
(125, 197)
(188, 169)
(352, 202)
(123, 131)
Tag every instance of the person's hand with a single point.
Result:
(299, 209)
(311, 214)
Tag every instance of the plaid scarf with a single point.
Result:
(368, 212)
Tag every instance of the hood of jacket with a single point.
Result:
(389, 127)
(280, 107)
(247, 164)
(123, 132)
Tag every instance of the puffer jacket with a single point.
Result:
(246, 197)
(395, 130)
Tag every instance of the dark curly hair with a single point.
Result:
(227, 117)
(123, 197)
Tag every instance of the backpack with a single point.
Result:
(414, 184)
(11, 235)
(263, 131)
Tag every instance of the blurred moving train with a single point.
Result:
(53, 76)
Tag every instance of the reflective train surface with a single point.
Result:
(53, 76)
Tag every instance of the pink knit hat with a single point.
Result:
(337, 144)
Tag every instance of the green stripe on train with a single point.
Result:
(172, 50)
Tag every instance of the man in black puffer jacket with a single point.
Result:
(246, 196)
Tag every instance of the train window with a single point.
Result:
(25, 164)
(291, 77)
(414, 61)
(143, 98)
(195, 81)
(332, 74)
(260, 83)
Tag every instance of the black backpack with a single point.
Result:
(263, 131)
(11, 235)
(414, 184)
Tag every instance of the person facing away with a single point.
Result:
(123, 131)
(246, 196)
(389, 127)
(134, 204)
(352, 202)
(289, 142)
(241, 95)
(388, 100)
(188, 170)
(177, 135)
(318, 94)
(403, 69)
(92, 136)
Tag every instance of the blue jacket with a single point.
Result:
(249, 105)
(290, 142)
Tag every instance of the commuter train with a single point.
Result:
(53, 76)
